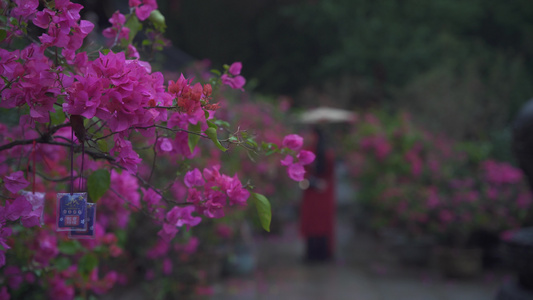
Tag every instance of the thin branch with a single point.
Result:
(66, 178)
(46, 138)
(171, 129)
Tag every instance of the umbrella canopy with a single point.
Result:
(327, 115)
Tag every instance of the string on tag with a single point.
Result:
(81, 186)
(33, 167)
(72, 162)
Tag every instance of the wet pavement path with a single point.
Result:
(363, 270)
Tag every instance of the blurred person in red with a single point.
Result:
(317, 208)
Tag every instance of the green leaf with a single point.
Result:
(269, 148)
(251, 143)
(105, 51)
(212, 134)
(134, 25)
(62, 263)
(216, 72)
(194, 137)
(57, 117)
(103, 145)
(98, 183)
(69, 247)
(3, 35)
(87, 263)
(222, 123)
(158, 20)
(263, 210)
(14, 21)
(212, 125)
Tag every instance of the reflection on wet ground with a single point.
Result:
(363, 269)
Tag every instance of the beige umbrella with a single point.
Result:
(327, 115)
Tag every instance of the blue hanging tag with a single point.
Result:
(71, 211)
(91, 218)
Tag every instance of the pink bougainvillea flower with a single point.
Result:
(46, 248)
(236, 82)
(501, 173)
(131, 52)
(181, 216)
(60, 290)
(105, 284)
(151, 197)
(117, 21)
(296, 172)
(168, 232)
(33, 218)
(234, 79)
(235, 68)
(165, 145)
(293, 141)
(4, 234)
(18, 208)
(25, 8)
(15, 182)
(213, 207)
(306, 157)
(194, 178)
(236, 193)
(211, 174)
(287, 161)
(143, 8)
(129, 159)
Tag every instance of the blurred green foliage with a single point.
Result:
(288, 44)
(461, 67)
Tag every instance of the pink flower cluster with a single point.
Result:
(65, 30)
(209, 191)
(143, 8)
(188, 95)
(234, 79)
(178, 217)
(28, 213)
(379, 144)
(120, 106)
(33, 81)
(116, 207)
(117, 21)
(24, 9)
(418, 195)
(295, 169)
(118, 91)
(501, 173)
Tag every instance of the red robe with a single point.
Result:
(317, 209)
